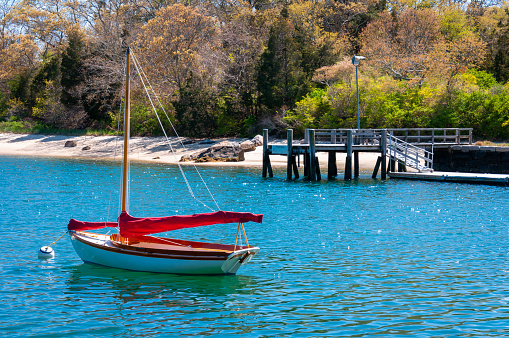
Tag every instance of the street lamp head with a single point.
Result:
(356, 60)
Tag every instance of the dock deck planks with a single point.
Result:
(443, 176)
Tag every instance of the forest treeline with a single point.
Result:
(234, 67)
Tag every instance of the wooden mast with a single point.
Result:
(125, 163)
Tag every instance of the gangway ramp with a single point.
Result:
(409, 154)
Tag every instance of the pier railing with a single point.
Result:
(340, 136)
(429, 136)
(415, 136)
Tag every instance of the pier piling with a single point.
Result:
(290, 159)
(383, 147)
(266, 167)
(317, 168)
(401, 167)
(295, 169)
(348, 161)
(332, 166)
(377, 167)
(355, 164)
(312, 155)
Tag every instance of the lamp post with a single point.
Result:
(356, 60)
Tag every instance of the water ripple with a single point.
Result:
(338, 258)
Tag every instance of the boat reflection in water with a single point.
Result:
(145, 290)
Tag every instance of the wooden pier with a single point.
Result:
(408, 147)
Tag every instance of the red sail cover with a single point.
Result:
(134, 226)
(80, 226)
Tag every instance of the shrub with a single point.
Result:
(309, 111)
(143, 120)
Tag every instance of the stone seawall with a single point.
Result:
(472, 159)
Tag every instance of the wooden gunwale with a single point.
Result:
(164, 243)
(176, 251)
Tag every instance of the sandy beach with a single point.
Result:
(144, 149)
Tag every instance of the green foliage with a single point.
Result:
(483, 79)
(279, 74)
(19, 92)
(196, 109)
(455, 23)
(144, 121)
(233, 119)
(12, 127)
(309, 111)
(228, 126)
(254, 68)
(487, 111)
(3, 107)
(72, 69)
(98, 106)
(388, 103)
(27, 126)
(48, 72)
(288, 62)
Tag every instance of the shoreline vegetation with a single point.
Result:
(233, 69)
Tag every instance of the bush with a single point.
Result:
(309, 111)
(143, 120)
(487, 113)
(483, 80)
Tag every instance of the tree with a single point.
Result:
(178, 41)
(464, 47)
(43, 20)
(195, 109)
(350, 16)
(296, 47)
(341, 72)
(418, 44)
(406, 47)
(72, 68)
(494, 25)
(111, 26)
(279, 71)
(242, 37)
(18, 52)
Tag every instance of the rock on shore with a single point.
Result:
(225, 151)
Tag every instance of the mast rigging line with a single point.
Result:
(143, 78)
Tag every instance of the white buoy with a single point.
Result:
(46, 252)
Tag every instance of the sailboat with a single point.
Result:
(133, 247)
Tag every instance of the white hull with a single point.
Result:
(100, 249)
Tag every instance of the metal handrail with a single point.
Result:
(410, 154)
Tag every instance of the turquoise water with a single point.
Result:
(337, 258)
